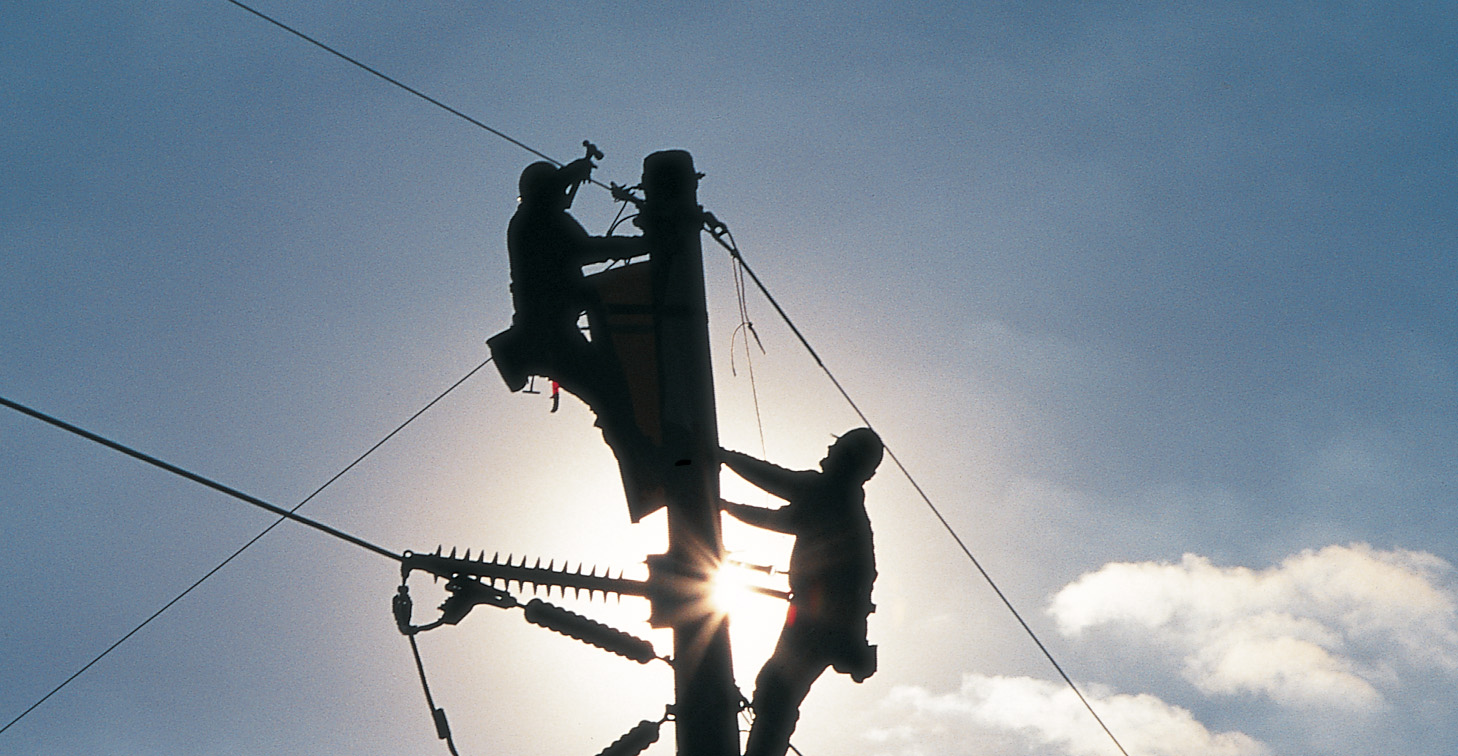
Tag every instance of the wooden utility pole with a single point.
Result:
(707, 701)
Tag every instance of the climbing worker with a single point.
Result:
(832, 569)
(547, 250)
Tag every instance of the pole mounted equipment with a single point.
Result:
(510, 573)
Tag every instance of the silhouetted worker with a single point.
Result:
(832, 568)
(547, 249)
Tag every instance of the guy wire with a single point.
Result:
(231, 557)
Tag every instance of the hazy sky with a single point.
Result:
(1156, 301)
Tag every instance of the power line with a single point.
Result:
(734, 251)
(365, 67)
(199, 479)
(230, 557)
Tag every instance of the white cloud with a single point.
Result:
(1322, 628)
(1023, 715)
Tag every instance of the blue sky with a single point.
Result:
(1155, 301)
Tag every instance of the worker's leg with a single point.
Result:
(587, 372)
(779, 689)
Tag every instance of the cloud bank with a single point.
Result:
(1329, 628)
(1022, 715)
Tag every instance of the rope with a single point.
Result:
(747, 327)
(734, 252)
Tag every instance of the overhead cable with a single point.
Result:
(232, 556)
(734, 251)
(199, 479)
(385, 77)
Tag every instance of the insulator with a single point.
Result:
(635, 741)
(402, 606)
(589, 631)
(511, 573)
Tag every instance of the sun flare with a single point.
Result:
(731, 592)
(747, 598)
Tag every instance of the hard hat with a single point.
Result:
(861, 449)
(537, 180)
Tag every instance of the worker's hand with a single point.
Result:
(577, 171)
(624, 194)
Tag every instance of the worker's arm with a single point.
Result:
(590, 250)
(771, 478)
(777, 520)
(599, 249)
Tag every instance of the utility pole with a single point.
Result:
(707, 701)
(657, 414)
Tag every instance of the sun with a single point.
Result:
(730, 590)
(755, 608)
